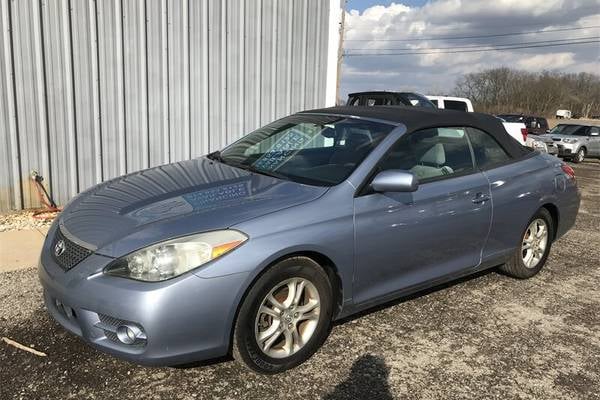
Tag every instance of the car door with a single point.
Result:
(594, 141)
(403, 240)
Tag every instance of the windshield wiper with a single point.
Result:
(215, 156)
(251, 168)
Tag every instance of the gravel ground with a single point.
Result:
(484, 337)
(22, 220)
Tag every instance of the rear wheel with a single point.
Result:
(579, 156)
(285, 317)
(534, 248)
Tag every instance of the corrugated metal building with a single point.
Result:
(90, 90)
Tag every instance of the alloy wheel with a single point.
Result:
(580, 155)
(287, 317)
(534, 243)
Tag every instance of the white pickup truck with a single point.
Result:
(517, 130)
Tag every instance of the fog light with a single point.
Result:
(128, 334)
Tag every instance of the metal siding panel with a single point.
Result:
(216, 72)
(111, 88)
(158, 82)
(61, 108)
(198, 78)
(252, 75)
(86, 93)
(235, 61)
(312, 40)
(298, 57)
(106, 87)
(135, 77)
(266, 66)
(324, 50)
(179, 78)
(10, 190)
(282, 55)
(30, 95)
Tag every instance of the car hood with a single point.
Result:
(551, 137)
(173, 200)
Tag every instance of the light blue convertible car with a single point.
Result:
(256, 249)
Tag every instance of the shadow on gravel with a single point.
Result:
(368, 379)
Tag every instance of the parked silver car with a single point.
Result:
(254, 250)
(574, 141)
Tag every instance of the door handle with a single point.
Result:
(480, 198)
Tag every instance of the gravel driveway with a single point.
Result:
(489, 336)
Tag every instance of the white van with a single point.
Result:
(563, 114)
(452, 103)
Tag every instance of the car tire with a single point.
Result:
(528, 261)
(305, 330)
(580, 156)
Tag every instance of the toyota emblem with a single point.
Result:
(59, 248)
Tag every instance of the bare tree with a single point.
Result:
(504, 90)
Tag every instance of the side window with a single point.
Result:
(431, 154)
(595, 130)
(582, 131)
(417, 101)
(455, 105)
(486, 149)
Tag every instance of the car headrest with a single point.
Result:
(359, 137)
(435, 155)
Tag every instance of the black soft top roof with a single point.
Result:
(417, 118)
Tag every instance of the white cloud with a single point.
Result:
(547, 61)
(439, 19)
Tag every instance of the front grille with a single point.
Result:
(71, 253)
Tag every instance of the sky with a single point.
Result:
(374, 26)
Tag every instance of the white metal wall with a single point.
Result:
(93, 89)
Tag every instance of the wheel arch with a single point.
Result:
(324, 261)
(555, 214)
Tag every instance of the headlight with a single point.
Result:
(174, 257)
(568, 140)
(541, 146)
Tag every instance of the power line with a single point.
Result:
(474, 45)
(474, 36)
(473, 50)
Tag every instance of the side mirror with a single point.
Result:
(395, 180)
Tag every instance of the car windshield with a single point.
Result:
(311, 149)
(576, 130)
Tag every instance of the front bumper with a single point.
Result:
(567, 149)
(185, 319)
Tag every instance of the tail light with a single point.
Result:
(568, 170)
(524, 133)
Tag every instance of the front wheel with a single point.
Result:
(580, 156)
(532, 253)
(285, 316)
